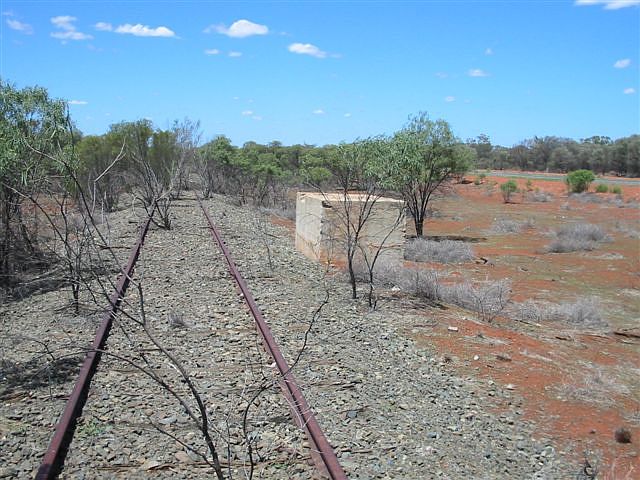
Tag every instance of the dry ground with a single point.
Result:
(578, 385)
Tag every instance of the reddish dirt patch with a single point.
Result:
(544, 371)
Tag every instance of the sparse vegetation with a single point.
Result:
(447, 251)
(576, 237)
(602, 188)
(616, 189)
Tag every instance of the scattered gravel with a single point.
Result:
(389, 407)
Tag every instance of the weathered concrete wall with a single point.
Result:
(321, 230)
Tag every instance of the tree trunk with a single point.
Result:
(352, 277)
(419, 222)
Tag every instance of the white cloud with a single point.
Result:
(239, 29)
(488, 51)
(19, 26)
(140, 30)
(212, 51)
(347, 115)
(449, 99)
(307, 49)
(247, 113)
(257, 117)
(78, 102)
(622, 63)
(318, 111)
(609, 4)
(64, 22)
(441, 75)
(235, 54)
(476, 72)
(629, 91)
(103, 26)
(69, 32)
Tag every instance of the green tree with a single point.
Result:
(424, 156)
(579, 180)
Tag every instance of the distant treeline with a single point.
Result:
(554, 154)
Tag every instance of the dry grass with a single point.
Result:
(446, 251)
(576, 237)
(506, 225)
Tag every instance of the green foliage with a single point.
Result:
(578, 181)
(616, 189)
(421, 158)
(33, 131)
(602, 188)
(508, 188)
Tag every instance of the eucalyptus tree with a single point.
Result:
(34, 129)
(424, 157)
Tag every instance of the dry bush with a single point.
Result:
(539, 196)
(447, 251)
(584, 312)
(506, 225)
(577, 236)
(586, 197)
(528, 311)
(488, 299)
(627, 230)
(424, 284)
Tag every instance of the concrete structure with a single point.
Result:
(321, 226)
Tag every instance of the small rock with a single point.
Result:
(452, 329)
(476, 357)
(168, 420)
(504, 357)
(183, 457)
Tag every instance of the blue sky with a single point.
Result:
(329, 71)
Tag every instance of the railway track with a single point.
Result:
(227, 365)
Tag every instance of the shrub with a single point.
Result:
(616, 189)
(480, 179)
(508, 188)
(540, 196)
(584, 312)
(529, 185)
(505, 225)
(578, 181)
(602, 188)
(575, 237)
(448, 251)
(487, 299)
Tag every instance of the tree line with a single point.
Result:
(43, 152)
(600, 154)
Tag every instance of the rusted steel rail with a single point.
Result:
(322, 452)
(55, 454)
